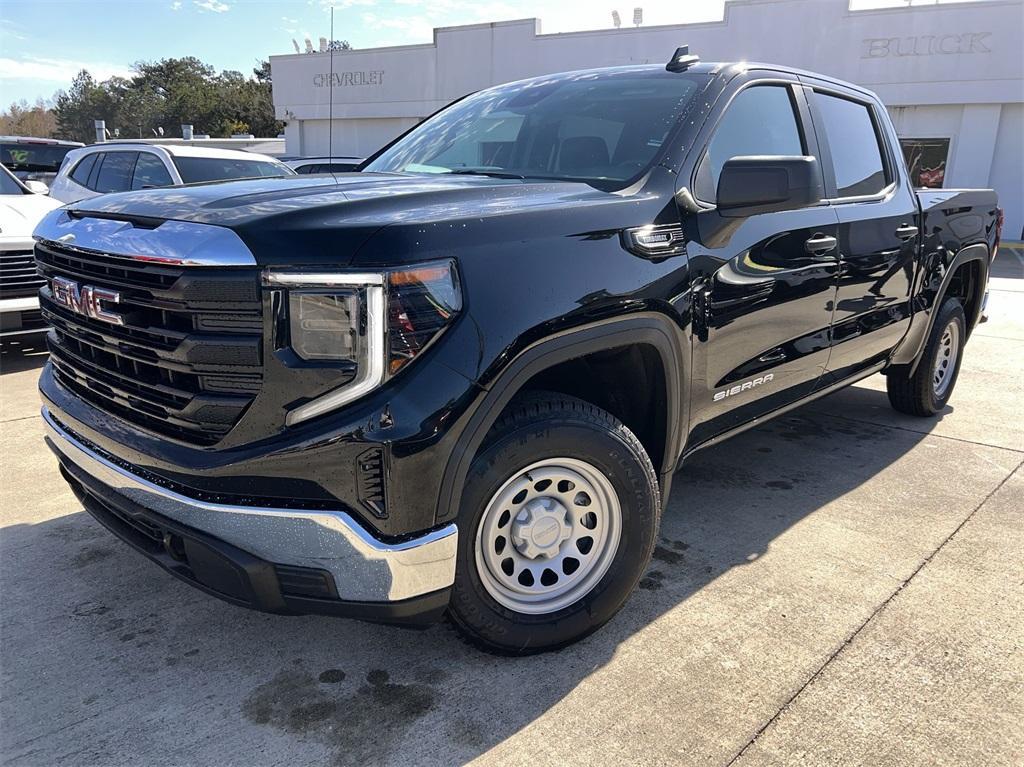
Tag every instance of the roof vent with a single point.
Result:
(681, 60)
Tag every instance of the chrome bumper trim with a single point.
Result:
(364, 568)
(25, 304)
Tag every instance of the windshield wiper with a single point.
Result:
(491, 173)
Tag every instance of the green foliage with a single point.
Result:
(165, 94)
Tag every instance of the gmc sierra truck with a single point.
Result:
(458, 382)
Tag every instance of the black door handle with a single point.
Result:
(906, 231)
(820, 244)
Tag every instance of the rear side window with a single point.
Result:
(80, 174)
(853, 142)
(115, 174)
(150, 172)
(305, 169)
(759, 121)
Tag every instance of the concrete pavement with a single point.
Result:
(839, 586)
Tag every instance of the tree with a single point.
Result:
(165, 94)
(23, 120)
(77, 108)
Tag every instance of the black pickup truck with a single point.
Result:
(459, 381)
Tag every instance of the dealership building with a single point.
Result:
(952, 75)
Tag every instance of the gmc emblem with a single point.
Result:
(86, 299)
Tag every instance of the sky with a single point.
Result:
(44, 43)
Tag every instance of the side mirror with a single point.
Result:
(37, 187)
(748, 186)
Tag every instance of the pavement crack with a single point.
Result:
(857, 631)
(20, 418)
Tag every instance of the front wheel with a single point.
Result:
(558, 521)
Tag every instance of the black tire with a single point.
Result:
(916, 394)
(533, 428)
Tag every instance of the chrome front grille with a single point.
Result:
(187, 360)
(18, 277)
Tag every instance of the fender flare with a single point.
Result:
(978, 252)
(653, 330)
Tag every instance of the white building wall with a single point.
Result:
(1006, 175)
(952, 71)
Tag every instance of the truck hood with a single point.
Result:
(378, 197)
(321, 219)
(19, 214)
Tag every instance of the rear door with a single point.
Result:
(878, 227)
(764, 285)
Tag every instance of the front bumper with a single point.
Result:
(20, 316)
(273, 559)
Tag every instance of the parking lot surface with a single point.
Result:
(839, 586)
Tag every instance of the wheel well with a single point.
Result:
(966, 286)
(627, 381)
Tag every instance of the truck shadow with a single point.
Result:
(122, 636)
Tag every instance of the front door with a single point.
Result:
(764, 286)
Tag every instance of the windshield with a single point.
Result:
(195, 170)
(10, 185)
(39, 158)
(603, 129)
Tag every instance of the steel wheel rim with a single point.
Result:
(537, 523)
(945, 359)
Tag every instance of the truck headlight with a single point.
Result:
(378, 321)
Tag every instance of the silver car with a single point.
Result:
(121, 167)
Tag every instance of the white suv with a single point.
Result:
(112, 167)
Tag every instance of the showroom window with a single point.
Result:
(926, 160)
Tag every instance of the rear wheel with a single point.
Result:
(558, 521)
(928, 390)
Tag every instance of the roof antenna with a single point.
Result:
(330, 108)
(681, 60)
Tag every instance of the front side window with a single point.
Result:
(759, 121)
(80, 175)
(195, 170)
(600, 129)
(150, 172)
(115, 174)
(853, 142)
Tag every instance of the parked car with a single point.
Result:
(460, 381)
(22, 206)
(119, 167)
(34, 159)
(323, 164)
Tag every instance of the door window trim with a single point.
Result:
(884, 150)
